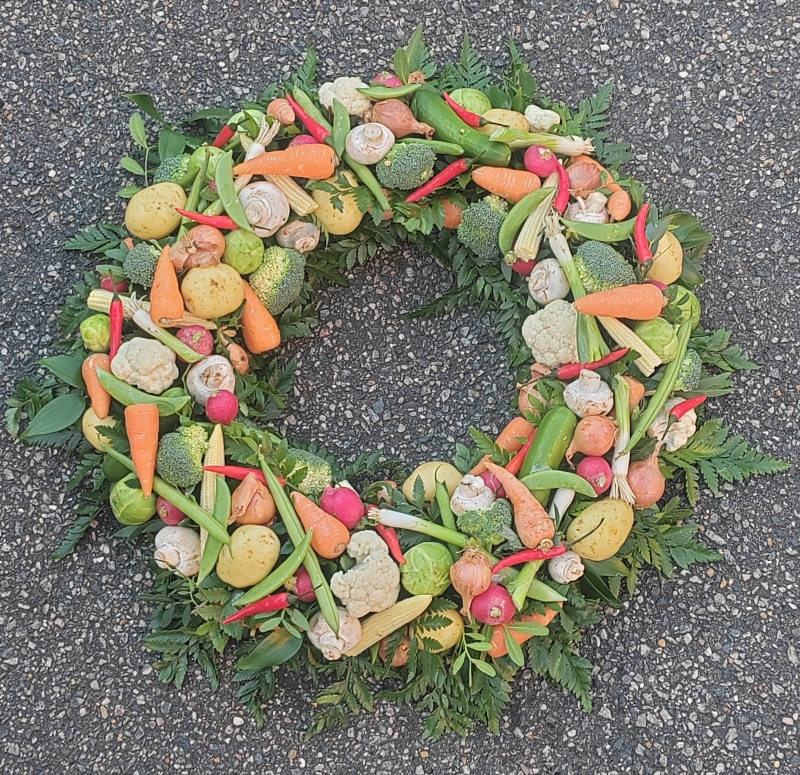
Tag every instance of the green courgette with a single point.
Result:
(550, 445)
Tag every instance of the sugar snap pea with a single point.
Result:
(341, 127)
(602, 232)
(548, 479)
(227, 192)
(518, 215)
(437, 146)
(379, 93)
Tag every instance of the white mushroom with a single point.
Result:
(178, 548)
(589, 395)
(301, 236)
(209, 375)
(472, 494)
(265, 206)
(369, 143)
(322, 636)
(547, 282)
(590, 210)
(565, 568)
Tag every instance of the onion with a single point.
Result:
(471, 575)
(399, 119)
(584, 178)
(594, 436)
(493, 483)
(200, 246)
(646, 481)
(597, 472)
(540, 161)
(494, 606)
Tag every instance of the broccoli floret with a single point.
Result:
(318, 472)
(139, 264)
(406, 166)
(180, 456)
(279, 278)
(492, 525)
(689, 371)
(175, 170)
(480, 226)
(602, 268)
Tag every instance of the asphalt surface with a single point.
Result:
(697, 674)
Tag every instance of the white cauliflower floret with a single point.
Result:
(541, 120)
(373, 583)
(551, 334)
(680, 431)
(322, 636)
(145, 363)
(344, 90)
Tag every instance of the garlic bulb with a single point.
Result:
(301, 236)
(547, 282)
(565, 568)
(470, 495)
(178, 548)
(210, 374)
(265, 206)
(589, 395)
(590, 210)
(323, 637)
(369, 143)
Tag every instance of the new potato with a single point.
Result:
(617, 520)
(500, 118)
(447, 474)
(667, 263)
(150, 213)
(252, 554)
(212, 291)
(336, 221)
(90, 425)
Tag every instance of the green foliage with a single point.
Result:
(715, 350)
(469, 72)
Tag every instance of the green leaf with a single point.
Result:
(131, 165)
(401, 65)
(200, 115)
(278, 647)
(128, 191)
(170, 144)
(485, 668)
(146, 104)
(514, 649)
(138, 131)
(66, 367)
(528, 628)
(59, 414)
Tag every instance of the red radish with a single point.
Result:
(198, 338)
(523, 267)
(387, 79)
(107, 284)
(301, 585)
(597, 472)
(494, 606)
(222, 407)
(540, 161)
(493, 483)
(302, 140)
(661, 286)
(344, 503)
(169, 514)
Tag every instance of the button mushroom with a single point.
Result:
(208, 376)
(178, 548)
(322, 636)
(472, 494)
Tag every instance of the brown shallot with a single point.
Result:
(397, 117)
(471, 575)
(200, 246)
(594, 435)
(646, 481)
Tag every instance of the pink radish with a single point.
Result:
(494, 606)
(344, 503)
(169, 514)
(301, 585)
(540, 161)
(222, 407)
(301, 140)
(198, 338)
(597, 472)
(523, 267)
(107, 284)
(387, 79)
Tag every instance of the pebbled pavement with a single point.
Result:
(697, 674)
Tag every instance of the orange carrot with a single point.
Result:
(531, 520)
(511, 439)
(315, 161)
(141, 425)
(166, 302)
(633, 302)
(260, 331)
(330, 536)
(101, 400)
(512, 185)
(128, 242)
(636, 390)
(499, 648)
(452, 214)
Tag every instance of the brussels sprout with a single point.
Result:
(427, 569)
(113, 470)
(685, 305)
(472, 100)
(128, 503)
(244, 251)
(196, 160)
(96, 333)
(661, 337)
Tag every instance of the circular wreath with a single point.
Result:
(432, 587)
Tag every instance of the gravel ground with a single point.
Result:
(697, 674)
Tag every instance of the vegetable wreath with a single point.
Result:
(432, 588)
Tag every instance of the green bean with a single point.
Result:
(664, 390)
(222, 511)
(446, 514)
(280, 575)
(341, 127)
(194, 195)
(226, 192)
(557, 480)
(438, 146)
(379, 93)
(602, 232)
(517, 216)
(177, 499)
(311, 562)
(128, 395)
(307, 104)
(365, 175)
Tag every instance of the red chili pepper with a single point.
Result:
(451, 171)
(562, 197)
(116, 314)
(240, 472)
(389, 535)
(529, 555)
(226, 134)
(515, 464)
(467, 116)
(640, 241)
(275, 602)
(573, 370)
(220, 221)
(686, 406)
(315, 129)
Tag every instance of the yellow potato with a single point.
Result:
(336, 221)
(448, 635)
(668, 260)
(150, 213)
(89, 425)
(500, 118)
(448, 474)
(617, 520)
(212, 291)
(252, 554)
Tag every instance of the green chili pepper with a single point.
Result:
(194, 194)
(364, 174)
(438, 146)
(379, 93)
(227, 192)
(548, 479)
(341, 127)
(602, 232)
(280, 575)
(128, 395)
(517, 216)
(307, 104)
(222, 511)
(664, 390)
